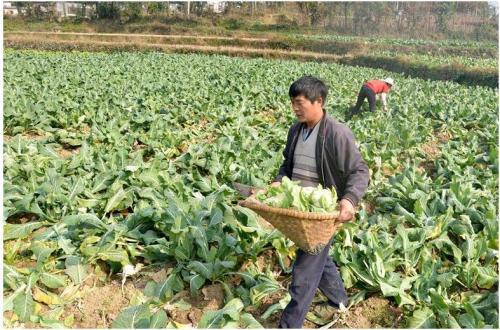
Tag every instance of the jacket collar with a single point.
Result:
(321, 132)
(322, 126)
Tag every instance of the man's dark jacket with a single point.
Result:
(338, 161)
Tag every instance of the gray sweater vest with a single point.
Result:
(304, 168)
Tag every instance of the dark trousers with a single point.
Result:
(365, 92)
(309, 273)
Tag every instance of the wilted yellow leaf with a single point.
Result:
(46, 298)
(38, 308)
(71, 292)
(69, 320)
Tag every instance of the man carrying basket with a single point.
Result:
(319, 150)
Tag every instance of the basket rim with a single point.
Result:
(254, 204)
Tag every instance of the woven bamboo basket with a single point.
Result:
(311, 231)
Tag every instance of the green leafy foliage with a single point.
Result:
(122, 165)
(289, 194)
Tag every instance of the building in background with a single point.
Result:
(216, 6)
(73, 9)
(41, 9)
(9, 9)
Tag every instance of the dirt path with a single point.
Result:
(226, 50)
(133, 35)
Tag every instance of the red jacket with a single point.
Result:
(377, 86)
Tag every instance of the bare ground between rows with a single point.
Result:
(31, 42)
(432, 150)
(135, 35)
(100, 299)
(35, 136)
(100, 304)
(269, 37)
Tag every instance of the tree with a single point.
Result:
(331, 11)
(84, 9)
(314, 11)
(361, 18)
(346, 8)
(107, 10)
(153, 8)
(19, 6)
(131, 11)
(199, 7)
(442, 11)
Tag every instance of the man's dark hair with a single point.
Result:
(311, 87)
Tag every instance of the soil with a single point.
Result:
(25, 263)
(389, 171)
(226, 50)
(100, 305)
(214, 293)
(444, 136)
(428, 167)
(211, 299)
(431, 149)
(272, 322)
(374, 312)
(368, 206)
(35, 136)
(138, 145)
(265, 259)
(65, 153)
(22, 218)
(124, 212)
(206, 138)
(137, 35)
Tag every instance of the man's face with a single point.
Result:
(306, 110)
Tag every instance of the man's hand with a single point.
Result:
(346, 211)
(385, 109)
(275, 184)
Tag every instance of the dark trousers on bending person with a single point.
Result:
(309, 273)
(365, 92)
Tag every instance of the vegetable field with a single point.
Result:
(470, 62)
(118, 171)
